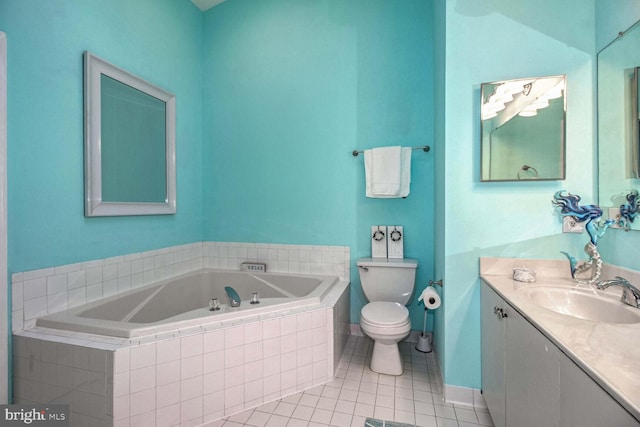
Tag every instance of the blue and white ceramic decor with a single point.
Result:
(589, 214)
(629, 210)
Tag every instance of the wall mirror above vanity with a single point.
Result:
(129, 143)
(618, 138)
(523, 129)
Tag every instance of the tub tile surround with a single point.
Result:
(608, 353)
(39, 292)
(183, 377)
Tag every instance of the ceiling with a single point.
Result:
(206, 4)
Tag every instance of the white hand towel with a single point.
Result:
(387, 172)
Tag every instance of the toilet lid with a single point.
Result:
(384, 313)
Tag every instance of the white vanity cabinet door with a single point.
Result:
(531, 374)
(519, 367)
(583, 403)
(493, 354)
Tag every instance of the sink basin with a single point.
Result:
(582, 303)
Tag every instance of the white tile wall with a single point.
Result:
(40, 292)
(53, 372)
(186, 379)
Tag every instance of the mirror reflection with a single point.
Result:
(129, 143)
(523, 129)
(133, 140)
(618, 139)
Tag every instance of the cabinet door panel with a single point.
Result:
(531, 375)
(493, 355)
(583, 403)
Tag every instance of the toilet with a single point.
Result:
(388, 285)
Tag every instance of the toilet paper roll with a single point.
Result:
(430, 297)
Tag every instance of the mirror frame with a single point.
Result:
(635, 126)
(94, 67)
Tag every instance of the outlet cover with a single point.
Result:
(570, 225)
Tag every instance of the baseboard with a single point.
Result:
(464, 396)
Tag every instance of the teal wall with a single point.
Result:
(489, 40)
(292, 87)
(159, 40)
(612, 17)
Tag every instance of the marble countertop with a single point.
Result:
(608, 353)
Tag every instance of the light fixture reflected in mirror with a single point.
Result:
(523, 123)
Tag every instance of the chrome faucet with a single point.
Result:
(630, 294)
(234, 298)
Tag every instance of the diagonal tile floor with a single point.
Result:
(358, 393)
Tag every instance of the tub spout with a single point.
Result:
(234, 298)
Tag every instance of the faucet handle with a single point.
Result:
(631, 296)
(255, 298)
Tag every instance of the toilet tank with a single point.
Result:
(385, 279)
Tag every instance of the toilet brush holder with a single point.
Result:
(424, 343)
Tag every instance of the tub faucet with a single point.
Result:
(630, 294)
(234, 298)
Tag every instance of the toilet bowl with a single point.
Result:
(386, 323)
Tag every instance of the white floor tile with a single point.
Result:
(285, 409)
(357, 393)
(258, 419)
(341, 420)
(321, 416)
(382, 413)
(423, 420)
(309, 400)
(277, 421)
(345, 406)
(293, 422)
(303, 412)
(404, 416)
(364, 410)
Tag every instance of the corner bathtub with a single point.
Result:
(183, 301)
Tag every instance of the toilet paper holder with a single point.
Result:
(436, 282)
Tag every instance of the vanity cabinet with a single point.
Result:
(528, 381)
(493, 353)
(519, 367)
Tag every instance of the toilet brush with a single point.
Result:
(423, 344)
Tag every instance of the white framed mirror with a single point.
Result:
(523, 129)
(130, 143)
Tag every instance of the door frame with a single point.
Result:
(4, 289)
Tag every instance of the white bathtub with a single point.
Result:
(183, 301)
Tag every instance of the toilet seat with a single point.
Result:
(384, 314)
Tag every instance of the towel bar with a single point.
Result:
(425, 149)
